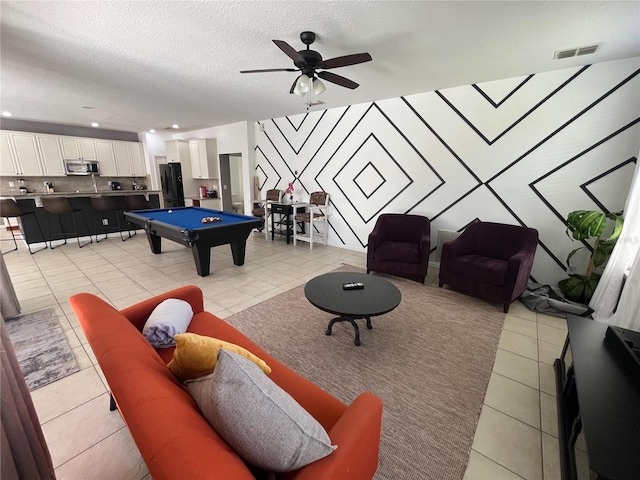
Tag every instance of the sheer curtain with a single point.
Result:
(625, 258)
(9, 304)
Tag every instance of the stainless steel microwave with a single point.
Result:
(81, 167)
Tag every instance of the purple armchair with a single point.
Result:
(491, 261)
(399, 245)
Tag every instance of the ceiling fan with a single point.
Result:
(308, 62)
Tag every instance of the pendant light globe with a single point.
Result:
(302, 85)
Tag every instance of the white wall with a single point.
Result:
(153, 145)
(522, 151)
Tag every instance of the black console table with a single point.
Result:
(598, 406)
(285, 223)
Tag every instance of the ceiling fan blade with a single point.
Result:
(338, 80)
(293, 85)
(345, 61)
(270, 70)
(291, 52)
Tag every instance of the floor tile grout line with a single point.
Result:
(80, 404)
(90, 447)
(525, 424)
(516, 381)
(497, 463)
(512, 417)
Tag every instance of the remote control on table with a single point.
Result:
(353, 286)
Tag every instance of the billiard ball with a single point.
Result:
(170, 211)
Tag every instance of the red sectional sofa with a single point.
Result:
(175, 440)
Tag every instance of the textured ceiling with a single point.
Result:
(150, 64)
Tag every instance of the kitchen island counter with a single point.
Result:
(97, 222)
(35, 195)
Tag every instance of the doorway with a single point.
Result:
(232, 182)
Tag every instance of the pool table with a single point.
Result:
(184, 225)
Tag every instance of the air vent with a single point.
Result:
(575, 52)
(444, 236)
(587, 50)
(565, 54)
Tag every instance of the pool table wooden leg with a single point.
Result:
(202, 259)
(238, 250)
(155, 242)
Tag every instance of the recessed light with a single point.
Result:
(95, 124)
(175, 125)
(7, 114)
(152, 131)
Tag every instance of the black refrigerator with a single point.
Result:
(171, 180)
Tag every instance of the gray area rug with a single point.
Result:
(429, 360)
(42, 349)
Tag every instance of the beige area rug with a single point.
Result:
(429, 360)
(41, 347)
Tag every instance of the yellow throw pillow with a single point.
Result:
(196, 355)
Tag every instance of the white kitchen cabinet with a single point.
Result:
(39, 154)
(138, 165)
(7, 165)
(123, 160)
(50, 155)
(129, 159)
(26, 156)
(204, 158)
(106, 158)
(25, 153)
(177, 151)
(195, 160)
(75, 148)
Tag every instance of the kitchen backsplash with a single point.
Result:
(10, 186)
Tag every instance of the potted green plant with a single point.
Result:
(585, 224)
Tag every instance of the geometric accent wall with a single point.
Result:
(524, 151)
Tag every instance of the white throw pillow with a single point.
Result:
(257, 418)
(168, 319)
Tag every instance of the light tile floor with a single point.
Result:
(516, 437)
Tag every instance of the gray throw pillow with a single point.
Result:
(257, 418)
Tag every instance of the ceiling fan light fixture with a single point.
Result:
(302, 85)
(308, 61)
(318, 86)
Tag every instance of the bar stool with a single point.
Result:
(60, 206)
(263, 209)
(136, 202)
(9, 208)
(105, 205)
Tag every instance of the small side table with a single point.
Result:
(285, 222)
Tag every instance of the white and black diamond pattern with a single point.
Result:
(525, 151)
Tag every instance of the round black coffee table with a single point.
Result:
(378, 297)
